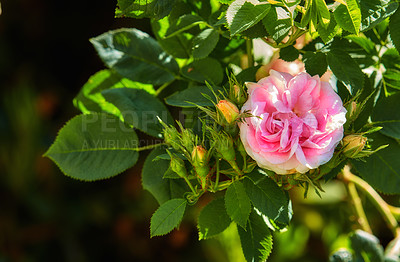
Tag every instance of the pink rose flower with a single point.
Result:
(297, 122)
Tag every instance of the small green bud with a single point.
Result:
(237, 94)
(353, 145)
(199, 156)
(224, 146)
(227, 111)
(188, 139)
(171, 137)
(177, 165)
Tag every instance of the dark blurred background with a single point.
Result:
(45, 58)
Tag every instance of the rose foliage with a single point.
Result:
(199, 93)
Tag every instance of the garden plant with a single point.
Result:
(241, 102)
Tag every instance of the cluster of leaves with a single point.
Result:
(194, 42)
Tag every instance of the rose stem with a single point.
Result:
(249, 51)
(217, 177)
(362, 218)
(374, 197)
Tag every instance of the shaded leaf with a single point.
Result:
(207, 69)
(140, 109)
(289, 53)
(278, 23)
(167, 217)
(193, 94)
(204, 43)
(387, 114)
(315, 63)
(237, 203)
(375, 11)
(346, 70)
(135, 55)
(394, 26)
(382, 169)
(213, 219)
(256, 240)
(88, 145)
(267, 197)
(152, 178)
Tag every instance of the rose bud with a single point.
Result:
(227, 111)
(188, 139)
(296, 125)
(353, 145)
(224, 146)
(200, 164)
(171, 137)
(177, 165)
(237, 94)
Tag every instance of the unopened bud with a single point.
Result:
(171, 137)
(353, 145)
(238, 95)
(177, 165)
(224, 146)
(188, 139)
(199, 156)
(352, 111)
(228, 110)
(200, 163)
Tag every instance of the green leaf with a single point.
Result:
(90, 98)
(152, 178)
(242, 14)
(349, 16)
(346, 70)
(289, 53)
(207, 69)
(267, 197)
(382, 169)
(256, 240)
(278, 23)
(392, 78)
(178, 46)
(315, 63)
(140, 9)
(213, 219)
(394, 26)
(248, 74)
(324, 15)
(167, 217)
(204, 43)
(375, 11)
(193, 94)
(88, 146)
(329, 32)
(185, 22)
(135, 55)
(387, 114)
(237, 203)
(140, 109)
(391, 59)
(363, 42)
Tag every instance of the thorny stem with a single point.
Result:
(217, 177)
(362, 218)
(375, 198)
(249, 51)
